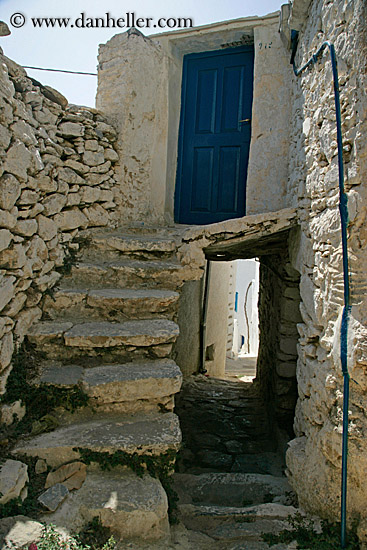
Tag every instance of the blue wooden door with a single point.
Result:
(215, 132)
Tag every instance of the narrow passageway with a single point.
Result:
(236, 420)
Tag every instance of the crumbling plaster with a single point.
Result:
(139, 89)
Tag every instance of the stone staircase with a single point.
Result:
(109, 328)
(231, 511)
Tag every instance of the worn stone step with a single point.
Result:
(128, 387)
(67, 339)
(139, 246)
(139, 433)
(223, 523)
(233, 489)
(129, 274)
(133, 507)
(111, 303)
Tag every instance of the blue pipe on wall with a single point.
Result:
(343, 209)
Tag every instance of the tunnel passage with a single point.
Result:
(240, 426)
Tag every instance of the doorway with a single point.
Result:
(215, 131)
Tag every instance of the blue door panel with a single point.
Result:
(201, 179)
(214, 139)
(232, 99)
(228, 181)
(206, 101)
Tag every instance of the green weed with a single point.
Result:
(302, 531)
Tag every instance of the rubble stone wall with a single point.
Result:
(56, 179)
(314, 457)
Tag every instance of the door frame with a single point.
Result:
(180, 148)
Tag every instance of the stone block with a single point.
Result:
(5, 137)
(71, 219)
(16, 304)
(19, 532)
(131, 506)
(7, 221)
(78, 167)
(45, 184)
(90, 194)
(53, 497)
(110, 154)
(71, 475)
(91, 145)
(70, 176)
(13, 258)
(25, 321)
(33, 98)
(55, 96)
(139, 433)
(71, 129)
(18, 161)
(24, 132)
(26, 228)
(13, 478)
(93, 158)
(28, 197)
(54, 204)
(5, 238)
(10, 190)
(97, 216)
(47, 228)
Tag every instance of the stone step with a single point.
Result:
(129, 387)
(233, 489)
(114, 304)
(128, 274)
(140, 433)
(117, 244)
(64, 340)
(228, 524)
(133, 507)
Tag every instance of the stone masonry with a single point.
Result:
(314, 457)
(56, 178)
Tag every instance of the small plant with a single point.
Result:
(39, 400)
(51, 539)
(95, 536)
(70, 259)
(302, 530)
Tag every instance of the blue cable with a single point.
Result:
(344, 219)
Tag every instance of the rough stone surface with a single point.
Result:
(222, 421)
(314, 456)
(135, 333)
(18, 532)
(53, 497)
(137, 433)
(132, 507)
(13, 478)
(41, 153)
(117, 304)
(72, 476)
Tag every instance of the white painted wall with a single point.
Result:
(246, 281)
(139, 89)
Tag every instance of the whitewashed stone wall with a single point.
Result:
(314, 457)
(56, 178)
